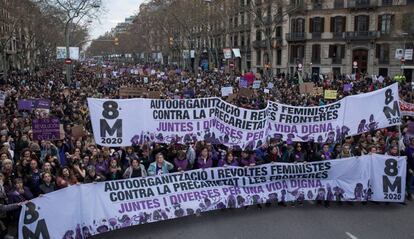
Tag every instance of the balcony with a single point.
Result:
(336, 60)
(357, 36)
(338, 35)
(362, 4)
(259, 44)
(316, 35)
(295, 36)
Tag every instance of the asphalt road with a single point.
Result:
(394, 221)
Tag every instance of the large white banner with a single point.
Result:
(90, 209)
(134, 121)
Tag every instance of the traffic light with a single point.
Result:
(171, 41)
(116, 41)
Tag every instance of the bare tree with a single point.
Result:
(74, 12)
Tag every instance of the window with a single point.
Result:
(235, 40)
(296, 2)
(386, 2)
(297, 53)
(339, 4)
(298, 25)
(337, 51)
(278, 31)
(338, 24)
(258, 36)
(279, 57)
(317, 4)
(361, 23)
(258, 57)
(316, 53)
(383, 53)
(242, 40)
(317, 24)
(385, 23)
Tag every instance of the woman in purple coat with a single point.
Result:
(229, 160)
(204, 160)
(247, 159)
(181, 162)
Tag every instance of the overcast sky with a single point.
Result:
(116, 11)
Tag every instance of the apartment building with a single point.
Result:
(345, 36)
(16, 39)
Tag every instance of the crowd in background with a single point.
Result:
(30, 168)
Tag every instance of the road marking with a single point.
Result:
(350, 235)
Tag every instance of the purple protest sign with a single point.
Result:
(347, 87)
(25, 104)
(33, 104)
(243, 82)
(42, 104)
(46, 129)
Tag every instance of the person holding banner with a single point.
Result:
(325, 154)
(114, 171)
(205, 159)
(181, 162)
(136, 170)
(92, 176)
(273, 155)
(160, 166)
(101, 165)
(228, 160)
(346, 152)
(19, 194)
(66, 178)
(4, 209)
(298, 155)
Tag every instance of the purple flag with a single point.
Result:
(46, 129)
(347, 87)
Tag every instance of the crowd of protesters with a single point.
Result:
(31, 168)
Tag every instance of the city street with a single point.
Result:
(310, 221)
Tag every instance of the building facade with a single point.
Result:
(339, 37)
(17, 39)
